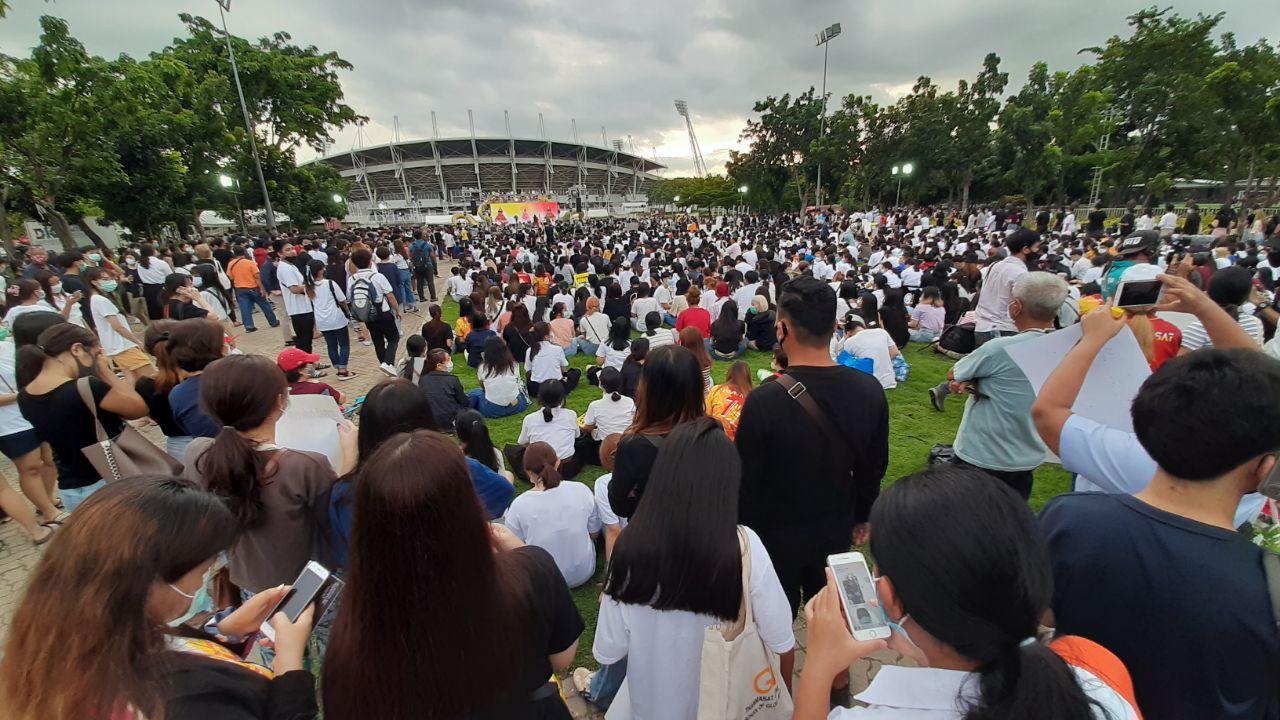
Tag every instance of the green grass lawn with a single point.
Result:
(914, 427)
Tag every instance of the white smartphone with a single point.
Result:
(858, 596)
(1139, 293)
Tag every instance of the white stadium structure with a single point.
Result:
(412, 181)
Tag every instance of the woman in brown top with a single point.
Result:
(279, 496)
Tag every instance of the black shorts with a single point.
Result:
(18, 444)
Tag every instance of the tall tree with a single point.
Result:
(1025, 139)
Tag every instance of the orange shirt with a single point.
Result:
(243, 273)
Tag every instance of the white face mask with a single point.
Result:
(56, 289)
(197, 281)
(448, 368)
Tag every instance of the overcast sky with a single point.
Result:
(620, 64)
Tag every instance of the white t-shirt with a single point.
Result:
(641, 308)
(595, 327)
(610, 417)
(603, 508)
(499, 389)
(76, 316)
(380, 285)
(289, 276)
(559, 433)
(664, 647)
(155, 274)
(216, 302)
(18, 311)
(11, 419)
(874, 343)
(561, 521)
(328, 315)
(612, 358)
(547, 363)
(113, 343)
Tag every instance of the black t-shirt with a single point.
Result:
(440, 337)
(183, 310)
(1184, 605)
(196, 687)
(617, 308)
(801, 492)
(1096, 220)
(1126, 223)
(517, 342)
(61, 419)
(158, 407)
(556, 625)
(726, 334)
(1191, 226)
(1042, 221)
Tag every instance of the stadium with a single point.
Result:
(419, 180)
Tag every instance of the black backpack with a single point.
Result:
(957, 340)
(365, 301)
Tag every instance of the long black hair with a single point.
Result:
(392, 406)
(966, 563)
(550, 396)
(497, 356)
(474, 435)
(619, 334)
(681, 549)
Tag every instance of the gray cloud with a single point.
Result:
(619, 65)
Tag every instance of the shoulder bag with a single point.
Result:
(127, 454)
(741, 678)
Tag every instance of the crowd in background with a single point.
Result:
(718, 502)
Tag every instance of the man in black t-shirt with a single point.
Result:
(1161, 578)
(1191, 225)
(1097, 221)
(808, 486)
(1126, 220)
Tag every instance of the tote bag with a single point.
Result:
(127, 454)
(741, 678)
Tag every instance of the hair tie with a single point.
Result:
(1027, 642)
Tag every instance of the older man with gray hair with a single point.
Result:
(997, 434)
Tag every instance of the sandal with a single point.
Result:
(37, 542)
(61, 518)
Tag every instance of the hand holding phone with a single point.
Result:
(831, 647)
(858, 596)
(1139, 293)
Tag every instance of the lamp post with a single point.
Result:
(742, 190)
(223, 6)
(824, 38)
(232, 186)
(900, 172)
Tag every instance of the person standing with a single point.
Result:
(814, 445)
(993, 319)
(368, 286)
(246, 281)
(296, 291)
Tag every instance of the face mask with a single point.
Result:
(56, 289)
(40, 295)
(199, 600)
(108, 286)
(448, 368)
(186, 250)
(95, 257)
(130, 262)
(197, 281)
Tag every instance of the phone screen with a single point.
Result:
(861, 604)
(303, 591)
(1139, 293)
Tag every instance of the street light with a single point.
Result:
(900, 172)
(233, 186)
(743, 189)
(337, 198)
(824, 38)
(223, 6)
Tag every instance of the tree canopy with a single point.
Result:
(1173, 99)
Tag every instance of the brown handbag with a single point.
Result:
(127, 454)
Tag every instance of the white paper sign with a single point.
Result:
(311, 423)
(1111, 383)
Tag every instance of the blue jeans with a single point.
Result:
(477, 401)
(246, 298)
(404, 290)
(669, 319)
(922, 335)
(176, 446)
(71, 497)
(588, 348)
(339, 344)
(606, 682)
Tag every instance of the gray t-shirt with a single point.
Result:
(997, 432)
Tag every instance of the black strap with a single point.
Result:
(800, 394)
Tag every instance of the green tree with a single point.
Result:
(1024, 139)
(52, 125)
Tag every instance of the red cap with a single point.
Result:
(293, 358)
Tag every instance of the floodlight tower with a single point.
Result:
(823, 38)
(699, 165)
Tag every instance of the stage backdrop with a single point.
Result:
(503, 212)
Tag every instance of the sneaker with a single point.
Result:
(388, 369)
(288, 343)
(582, 681)
(936, 398)
(345, 375)
(366, 343)
(251, 329)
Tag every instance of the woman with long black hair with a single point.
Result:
(418, 528)
(677, 570)
(965, 578)
(152, 272)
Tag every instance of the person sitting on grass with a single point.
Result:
(724, 402)
(443, 389)
(462, 326)
(633, 366)
(500, 393)
(928, 317)
(610, 522)
(546, 361)
(555, 425)
(473, 436)
(557, 515)
(477, 338)
(610, 415)
(728, 333)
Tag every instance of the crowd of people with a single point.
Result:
(1144, 593)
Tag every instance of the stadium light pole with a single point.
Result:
(900, 172)
(824, 39)
(232, 185)
(223, 7)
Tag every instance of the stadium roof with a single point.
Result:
(459, 169)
